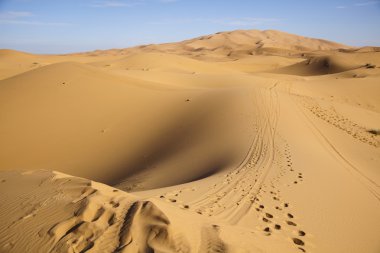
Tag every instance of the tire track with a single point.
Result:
(232, 198)
(368, 183)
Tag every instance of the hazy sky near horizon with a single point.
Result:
(61, 26)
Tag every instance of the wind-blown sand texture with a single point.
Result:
(242, 141)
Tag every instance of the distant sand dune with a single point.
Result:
(331, 64)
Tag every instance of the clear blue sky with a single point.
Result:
(60, 26)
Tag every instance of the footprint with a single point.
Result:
(98, 214)
(266, 220)
(112, 219)
(114, 204)
(290, 216)
(301, 233)
(298, 241)
(268, 215)
(276, 226)
(291, 223)
(267, 229)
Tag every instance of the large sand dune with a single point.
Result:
(243, 141)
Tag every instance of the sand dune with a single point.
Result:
(224, 46)
(318, 66)
(160, 62)
(96, 113)
(242, 141)
(331, 64)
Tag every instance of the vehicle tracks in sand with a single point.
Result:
(346, 125)
(253, 189)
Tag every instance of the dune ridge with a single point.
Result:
(239, 42)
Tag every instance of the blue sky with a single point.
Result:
(61, 26)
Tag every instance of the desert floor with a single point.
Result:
(244, 141)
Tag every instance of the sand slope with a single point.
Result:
(242, 141)
(77, 215)
(83, 121)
